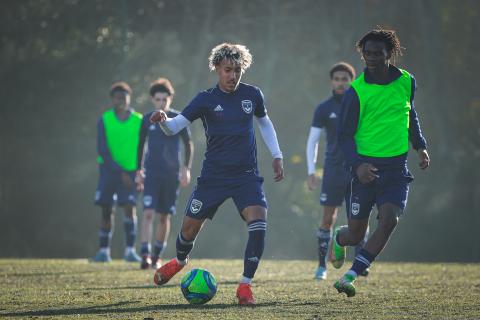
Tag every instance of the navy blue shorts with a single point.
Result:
(209, 195)
(390, 187)
(161, 193)
(111, 189)
(335, 183)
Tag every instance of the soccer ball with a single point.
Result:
(198, 286)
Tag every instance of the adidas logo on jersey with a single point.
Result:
(332, 115)
(218, 108)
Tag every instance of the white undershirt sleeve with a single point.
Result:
(312, 148)
(269, 136)
(174, 125)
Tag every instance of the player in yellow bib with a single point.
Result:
(377, 122)
(117, 145)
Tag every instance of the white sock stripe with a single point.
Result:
(183, 241)
(258, 229)
(363, 260)
(257, 224)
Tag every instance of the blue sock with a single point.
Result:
(323, 236)
(159, 248)
(183, 247)
(145, 248)
(255, 246)
(130, 226)
(362, 261)
(105, 235)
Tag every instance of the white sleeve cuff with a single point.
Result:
(269, 136)
(174, 125)
(312, 148)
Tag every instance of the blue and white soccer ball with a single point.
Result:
(198, 286)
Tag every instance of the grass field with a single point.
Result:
(59, 289)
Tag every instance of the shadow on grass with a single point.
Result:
(119, 308)
(62, 273)
(152, 286)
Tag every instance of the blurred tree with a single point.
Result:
(60, 57)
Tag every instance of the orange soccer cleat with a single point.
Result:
(245, 295)
(167, 271)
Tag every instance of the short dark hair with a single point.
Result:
(389, 37)
(343, 66)
(161, 85)
(120, 86)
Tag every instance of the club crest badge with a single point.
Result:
(147, 201)
(355, 208)
(195, 206)
(247, 106)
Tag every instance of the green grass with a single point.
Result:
(60, 289)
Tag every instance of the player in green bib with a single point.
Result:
(377, 123)
(117, 144)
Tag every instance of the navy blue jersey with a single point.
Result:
(326, 117)
(162, 156)
(349, 116)
(228, 122)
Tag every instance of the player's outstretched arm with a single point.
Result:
(170, 126)
(270, 137)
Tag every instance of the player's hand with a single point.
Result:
(366, 172)
(312, 182)
(184, 176)
(277, 165)
(158, 116)
(127, 181)
(424, 159)
(139, 180)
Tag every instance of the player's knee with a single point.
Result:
(164, 218)
(148, 215)
(356, 238)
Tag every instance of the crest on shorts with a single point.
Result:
(147, 201)
(355, 208)
(247, 106)
(195, 206)
(323, 197)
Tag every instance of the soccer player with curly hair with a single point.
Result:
(230, 167)
(377, 122)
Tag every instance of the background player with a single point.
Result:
(377, 121)
(230, 166)
(117, 144)
(335, 177)
(162, 172)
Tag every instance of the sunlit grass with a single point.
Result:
(284, 289)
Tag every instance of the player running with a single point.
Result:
(230, 166)
(161, 174)
(377, 121)
(335, 178)
(117, 144)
